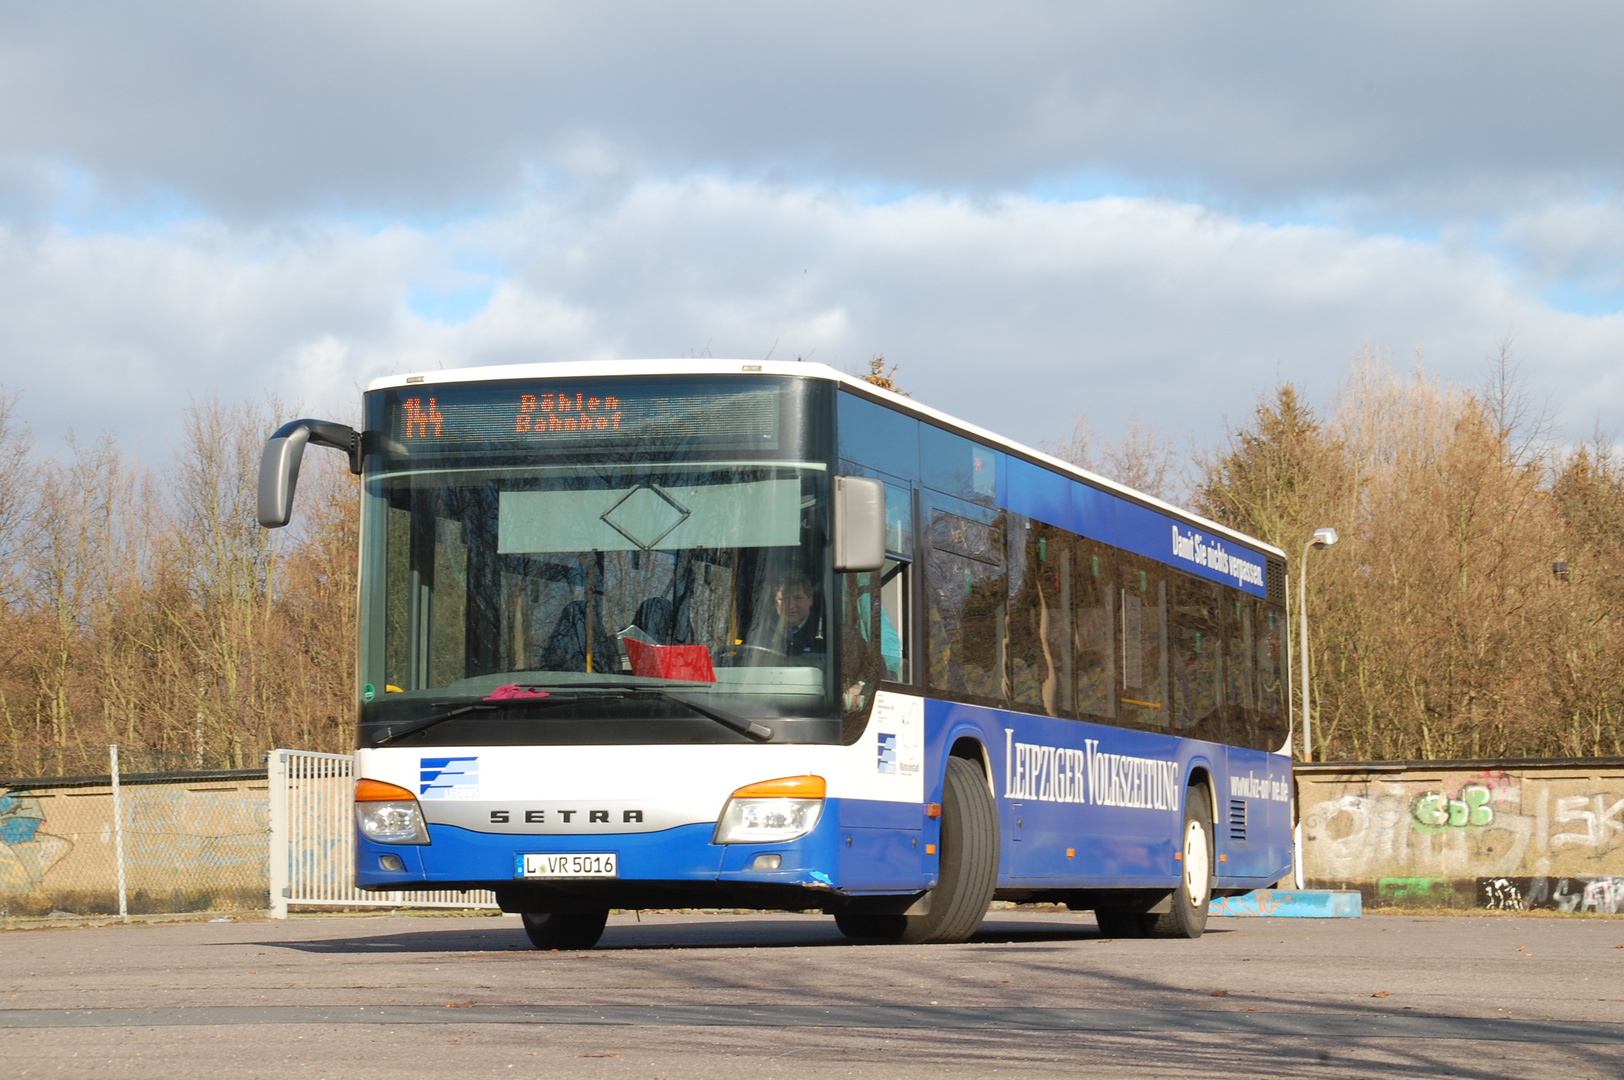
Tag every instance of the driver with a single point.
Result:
(798, 628)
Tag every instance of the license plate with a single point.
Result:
(601, 865)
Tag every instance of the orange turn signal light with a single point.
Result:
(378, 791)
(785, 787)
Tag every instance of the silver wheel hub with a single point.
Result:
(1197, 863)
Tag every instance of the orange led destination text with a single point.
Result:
(418, 418)
(562, 412)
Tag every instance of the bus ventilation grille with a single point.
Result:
(1275, 571)
(1237, 819)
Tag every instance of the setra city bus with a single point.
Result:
(706, 633)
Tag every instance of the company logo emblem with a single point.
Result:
(449, 778)
(887, 762)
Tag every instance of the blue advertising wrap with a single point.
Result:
(1100, 515)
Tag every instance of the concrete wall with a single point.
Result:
(1508, 834)
(193, 843)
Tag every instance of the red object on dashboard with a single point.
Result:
(691, 663)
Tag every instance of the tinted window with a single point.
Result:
(1239, 650)
(967, 594)
(1271, 687)
(879, 438)
(1034, 610)
(1093, 577)
(1143, 634)
(899, 520)
(1042, 650)
(959, 467)
(1197, 648)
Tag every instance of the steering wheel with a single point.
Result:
(748, 656)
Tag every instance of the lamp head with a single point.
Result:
(1324, 538)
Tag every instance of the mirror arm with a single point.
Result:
(340, 437)
(279, 464)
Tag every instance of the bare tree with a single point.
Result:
(72, 521)
(16, 484)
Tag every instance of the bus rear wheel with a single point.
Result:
(1186, 916)
(565, 929)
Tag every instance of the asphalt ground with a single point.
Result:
(723, 996)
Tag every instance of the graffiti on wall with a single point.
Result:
(27, 853)
(1471, 809)
(177, 828)
(1424, 838)
(1603, 894)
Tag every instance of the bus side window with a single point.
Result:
(894, 622)
(1196, 649)
(1271, 626)
(968, 602)
(1040, 662)
(1143, 695)
(861, 663)
(1239, 675)
(1096, 605)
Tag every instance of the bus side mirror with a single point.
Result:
(279, 464)
(859, 523)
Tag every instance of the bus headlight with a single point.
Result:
(388, 814)
(772, 811)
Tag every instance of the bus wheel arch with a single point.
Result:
(1201, 778)
(969, 747)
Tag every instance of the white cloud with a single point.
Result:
(1011, 312)
(292, 107)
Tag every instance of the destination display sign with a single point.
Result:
(558, 412)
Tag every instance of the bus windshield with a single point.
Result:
(589, 567)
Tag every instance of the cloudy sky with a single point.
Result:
(1035, 209)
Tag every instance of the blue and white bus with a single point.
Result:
(705, 633)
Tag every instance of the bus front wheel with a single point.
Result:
(969, 860)
(565, 929)
(969, 869)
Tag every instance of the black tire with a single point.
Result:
(1191, 900)
(969, 861)
(565, 929)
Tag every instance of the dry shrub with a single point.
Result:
(1439, 629)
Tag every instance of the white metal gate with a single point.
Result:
(313, 840)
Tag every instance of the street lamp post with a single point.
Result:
(1322, 538)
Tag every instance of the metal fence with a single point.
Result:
(312, 804)
(132, 842)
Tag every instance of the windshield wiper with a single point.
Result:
(394, 735)
(760, 732)
(727, 719)
(738, 723)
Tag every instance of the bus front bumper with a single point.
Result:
(656, 866)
